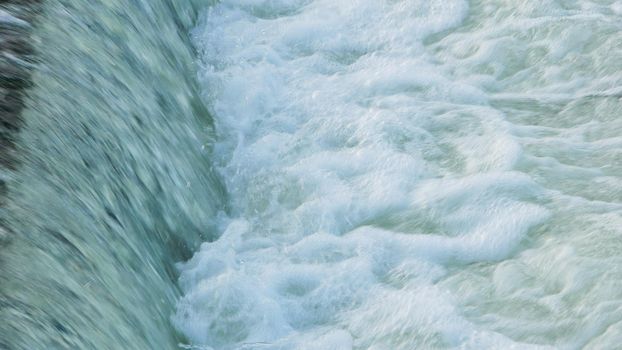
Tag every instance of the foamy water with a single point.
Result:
(411, 175)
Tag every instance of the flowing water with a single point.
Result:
(113, 182)
(364, 174)
(412, 175)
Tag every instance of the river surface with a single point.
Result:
(412, 175)
(316, 174)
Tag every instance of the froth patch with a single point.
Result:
(335, 121)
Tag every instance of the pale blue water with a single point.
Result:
(412, 175)
(315, 174)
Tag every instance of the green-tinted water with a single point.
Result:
(114, 183)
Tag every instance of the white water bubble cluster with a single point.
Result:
(374, 165)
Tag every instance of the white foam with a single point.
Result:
(359, 171)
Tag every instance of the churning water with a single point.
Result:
(412, 175)
(365, 174)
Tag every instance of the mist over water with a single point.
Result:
(411, 175)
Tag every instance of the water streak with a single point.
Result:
(114, 182)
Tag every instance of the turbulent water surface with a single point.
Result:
(412, 175)
(364, 174)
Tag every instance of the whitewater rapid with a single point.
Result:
(411, 175)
